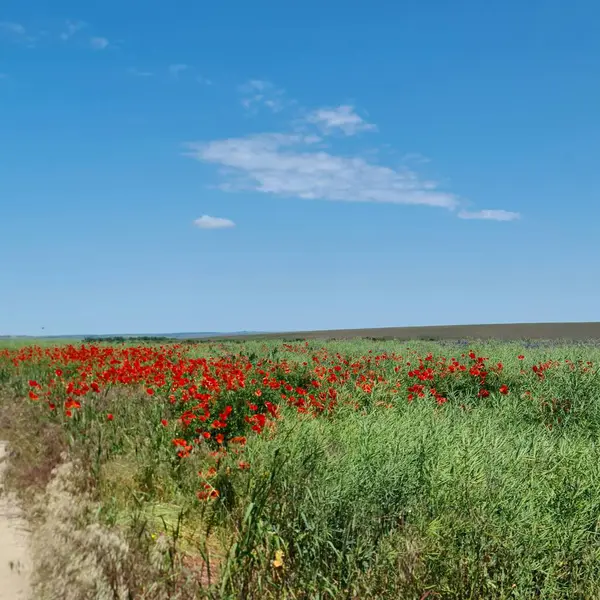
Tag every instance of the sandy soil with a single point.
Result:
(14, 550)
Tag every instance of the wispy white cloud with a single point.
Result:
(12, 28)
(415, 158)
(176, 70)
(99, 43)
(207, 222)
(342, 118)
(288, 165)
(22, 34)
(204, 80)
(489, 215)
(71, 28)
(302, 164)
(137, 73)
(18, 33)
(257, 93)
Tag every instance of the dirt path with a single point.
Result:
(14, 550)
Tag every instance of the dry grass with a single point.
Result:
(78, 557)
(75, 554)
(36, 446)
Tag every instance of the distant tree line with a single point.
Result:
(119, 339)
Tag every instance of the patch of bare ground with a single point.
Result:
(15, 560)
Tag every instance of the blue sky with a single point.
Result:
(284, 166)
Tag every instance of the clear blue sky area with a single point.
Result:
(234, 165)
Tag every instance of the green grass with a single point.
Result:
(479, 498)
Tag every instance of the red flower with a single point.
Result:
(225, 414)
(206, 494)
(150, 392)
(33, 395)
(272, 408)
(109, 416)
(520, 357)
(210, 473)
(33, 383)
(503, 389)
(164, 422)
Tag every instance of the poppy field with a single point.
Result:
(310, 469)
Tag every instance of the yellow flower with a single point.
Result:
(278, 562)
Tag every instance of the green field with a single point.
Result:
(319, 469)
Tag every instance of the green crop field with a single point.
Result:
(345, 469)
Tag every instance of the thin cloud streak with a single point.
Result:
(17, 33)
(489, 215)
(175, 70)
(12, 27)
(137, 73)
(258, 93)
(208, 222)
(72, 27)
(342, 117)
(99, 43)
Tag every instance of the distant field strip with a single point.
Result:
(509, 331)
